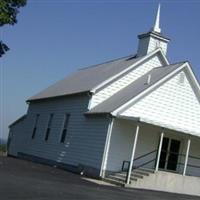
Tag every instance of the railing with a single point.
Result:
(168, 162)
(136, 159)
(178, 163)
(126, 164)
(195, 158)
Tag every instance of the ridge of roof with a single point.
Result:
(134, 89)
(109, 61)
(86, 79)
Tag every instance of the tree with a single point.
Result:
(8, 15)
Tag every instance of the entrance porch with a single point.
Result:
(143, 155)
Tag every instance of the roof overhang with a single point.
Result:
(185, 66)
(59, 96)
(159, 124)
(155, 35)
(147, 119)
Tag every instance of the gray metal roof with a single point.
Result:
(84, 80)
(18, 120)
(132, 90)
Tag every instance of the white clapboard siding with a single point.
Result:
(173, 105)
(124, 81)
(85, 136)
(163, 46)
(149, 44)
(155, 43)
(121, 144)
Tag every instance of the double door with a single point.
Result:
(169, 154)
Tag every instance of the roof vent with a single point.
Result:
(148, 79)
(182, 78)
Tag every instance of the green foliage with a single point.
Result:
(9, 11)
(8, 15)
(2, 147)
(3, 48)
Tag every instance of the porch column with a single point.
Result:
(106, 148)
(159, 151)
(133, 154)
(186, 156)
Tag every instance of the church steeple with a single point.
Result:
(156, 27)
(153, 39)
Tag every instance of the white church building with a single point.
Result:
(132, 121)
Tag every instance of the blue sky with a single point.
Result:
(55, 37)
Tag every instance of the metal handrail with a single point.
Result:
(194, 157)
(123, 164)
(147, 154)
(142, 165)
(138, 158)
(194, 166)
(189, 165)
(183, 155)
(178, 163)
(175, 153)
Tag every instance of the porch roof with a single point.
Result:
(160, 123)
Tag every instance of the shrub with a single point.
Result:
(2, 147)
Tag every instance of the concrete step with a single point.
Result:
(151, 171)
(137, 175)
(114, 182)
(142, 172)
(133, 175)
(123, 177)
(119, 178)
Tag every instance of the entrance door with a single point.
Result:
(169, 154)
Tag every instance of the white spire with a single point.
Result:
(156, 27)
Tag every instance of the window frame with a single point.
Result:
(65, 125)
(48, 127)
(182, 78)
(34, 130)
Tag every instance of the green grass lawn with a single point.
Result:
(3, 149)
